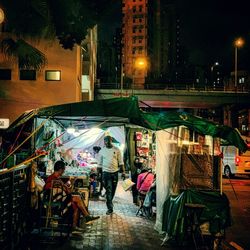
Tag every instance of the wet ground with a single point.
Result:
(124, 230)
(121, 230)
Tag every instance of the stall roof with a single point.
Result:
(126, 110)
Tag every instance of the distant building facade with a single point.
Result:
(57, 83)
(151, 29)
(89, 63)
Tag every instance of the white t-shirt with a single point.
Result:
(110, 159)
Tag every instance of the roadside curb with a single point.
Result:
(231, 246)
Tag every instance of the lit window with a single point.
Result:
(242, 80)
(53, 75)
(5, 74)
(27, 75)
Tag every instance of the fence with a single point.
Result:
(13, 206)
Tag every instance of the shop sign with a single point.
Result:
(4, 123)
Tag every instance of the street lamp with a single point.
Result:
(238, 43)
(140, 63)
(1, 16)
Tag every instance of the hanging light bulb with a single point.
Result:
(76, 133)
(71, 130)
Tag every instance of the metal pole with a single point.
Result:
(220, 169)
(133, 82)
(121, 78)
(133, 75)
(235, 67)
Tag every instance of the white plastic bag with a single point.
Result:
(127, 184)
(39, 183)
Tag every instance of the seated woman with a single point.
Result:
(144, 181)
(150, 198)
(75, 199)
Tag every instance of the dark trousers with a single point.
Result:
(110, 183)
(134, 188)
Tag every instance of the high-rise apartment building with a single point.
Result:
(151, 29)
(118, 50)
(134, 41)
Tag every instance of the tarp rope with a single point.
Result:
(85, 132)
(47, 144)
(20, 164)
(34, 132)
(12, 146)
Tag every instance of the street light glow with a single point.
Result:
(239, 42)
(141, 63)
(1, 16)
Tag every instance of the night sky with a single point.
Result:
(208, 29)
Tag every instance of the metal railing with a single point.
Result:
(167, 86)
(14, 200)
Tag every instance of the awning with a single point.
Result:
(126, 111)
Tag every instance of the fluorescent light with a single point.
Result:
(76, 133)
(71, 130)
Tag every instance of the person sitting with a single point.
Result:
(75, 198)
(150, 199)
(144, 181)
(93, 183)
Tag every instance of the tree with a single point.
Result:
(65, 20)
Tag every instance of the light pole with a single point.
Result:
(140, 63)
(238, 43)
(1, 16)
(1, 19)
(121, 78)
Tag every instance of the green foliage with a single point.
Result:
(68, 20)
(28, 57)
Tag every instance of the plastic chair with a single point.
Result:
(55, 215)
(142, 210)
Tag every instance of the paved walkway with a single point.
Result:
(122, 230)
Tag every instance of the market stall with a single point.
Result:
(169, 142)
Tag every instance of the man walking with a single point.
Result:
(111, 162)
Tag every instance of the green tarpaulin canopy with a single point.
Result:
(128, 109)
(216, 211)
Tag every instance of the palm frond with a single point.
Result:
(28, 57)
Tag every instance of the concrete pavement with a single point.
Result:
(123, 230)
(238, 192)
